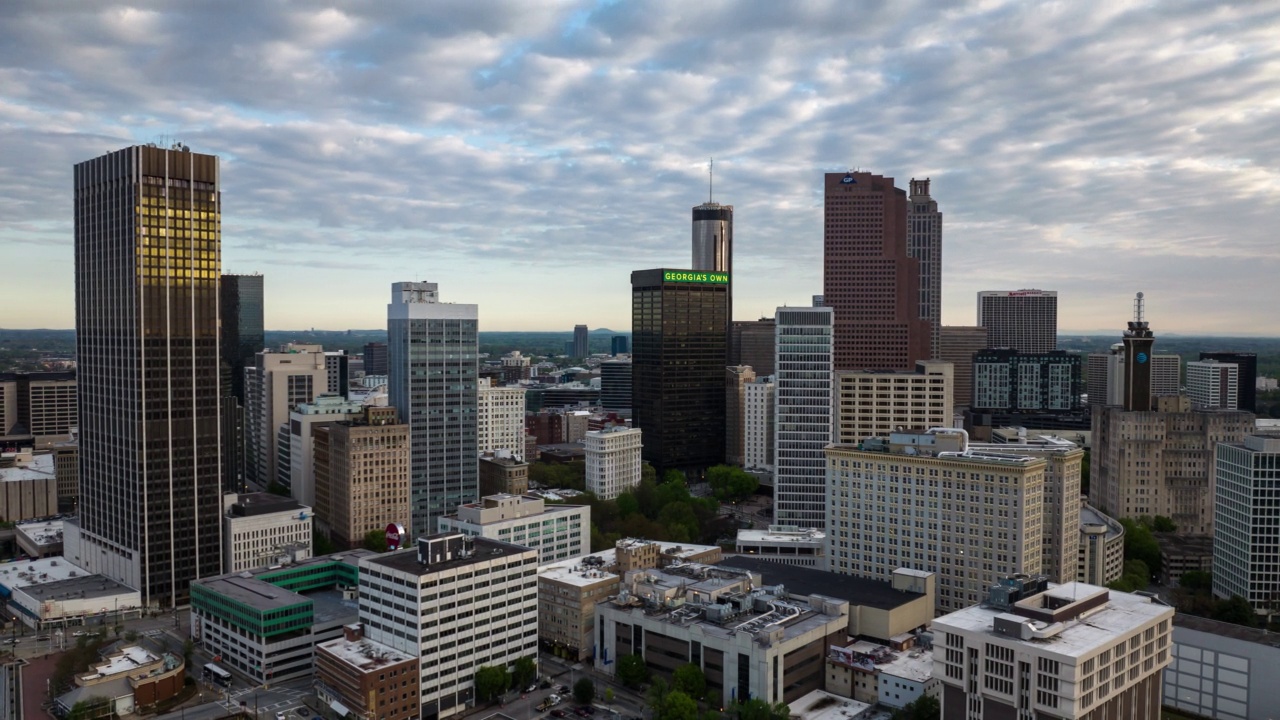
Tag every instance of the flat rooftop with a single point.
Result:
(86, 587)
(915, 665)
(42, 532)
(40, 468)
(364, 655)
(257, 594)
(1231, 630)
(406, 560)
(329, 607)
(126, 660)
(1091, 516)
(1081, 635)
(55, 578)
(591, 569)
(808, 581)
(262, 503)
(822, 705)
(801, 537)
(1184, 544)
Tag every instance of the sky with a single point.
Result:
(527, 156)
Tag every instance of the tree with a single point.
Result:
(321, 544)
(648, 473)
(627, 505)
(376, 540)
(925, 707)
(1163, 524)
(1237, 610)
(1136, 576)
(757, 709)
(676, 706)
(690, 680)
(632, 671)
(731, 483)
(91, 708)
(608, 695)
(674, 476)
(584, 691)
(1196, 581)
(1140, 544)
(491, 681)
(524, 672)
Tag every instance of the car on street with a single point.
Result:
(564, 688)
(545, 685)
(531, 688)
(42, 638)
(280, 716)
(302, 712)
(558, 713)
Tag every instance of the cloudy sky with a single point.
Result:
(528, 155)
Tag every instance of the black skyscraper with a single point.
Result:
(242, 327)
(375, 358)
(679, 351)
(1247, 376)
(147, 266)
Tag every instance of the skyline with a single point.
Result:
(507, 150)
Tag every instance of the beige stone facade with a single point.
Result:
(501, 474)
(362, 475)
(872, 403)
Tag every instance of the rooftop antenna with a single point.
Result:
(1138, 308)
(711, 179)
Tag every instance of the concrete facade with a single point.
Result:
(613, 459)
(557, 532)
(1022, 320)
(1222, 671)
(957, 345)
(875, 403)
(362, 475)
(275, 384)
(261, 529)
(499, 418)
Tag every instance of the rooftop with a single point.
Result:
(783, 534)
(42, 532)
(1230, 630)
(262, 503)
(808, 581)
(915, 665)
(40, 468)
(364, 655)
(257, 594)
(124, 661)
(54, 578)
(1089, 631)
(1184, 544)
(822, 705)
(1092, 516)
(593, 568)
(406, 560)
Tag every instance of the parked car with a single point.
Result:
(558, 713)
(564, 688)
(79, 633)
(531, 688)
(545, 685)
(42, 638)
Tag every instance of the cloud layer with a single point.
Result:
(528, 156)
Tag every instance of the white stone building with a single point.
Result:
(261, 529)
(1213, 384)
(874, 403)
(757, 434)
(499, 418)
(613, 460)
(803, 413)
(557, 532)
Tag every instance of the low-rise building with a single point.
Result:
(786, 544)
(40, 538)
(52, 592)
(28, 485)
(1181, 554)
(1222, 670)
(557, 532)
(1101, 553)
(262, 529)
(502, 473)
(751, 640)
(874, 673)
(1063, 651)
(357, 677)
(822, 705)
(133, 678)
(569, 590)
(613, 460)
(455, 603)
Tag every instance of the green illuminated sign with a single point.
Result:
(693, 276)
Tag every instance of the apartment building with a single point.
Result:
(613, 459)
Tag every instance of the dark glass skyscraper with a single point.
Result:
(581, 338)
(375, 358)
(679, 353)
(242, 327)
(147, 268)
(713, 245)
(1246, 378)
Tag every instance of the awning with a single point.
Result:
(339, 708)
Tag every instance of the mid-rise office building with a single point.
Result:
(1222, 670)
(678, 359)
(1247, 376)
(1101, 551)
(367, 678)
(870, 279)
(491, 617)
(150, 482)
(66, 468)
(303, 420)
(37, 408)
(1012, 381)
(613, 460)
(499, 418)
(615, 385)
(804, 414)
(557, 532)
(1246, 538)
(28, 485)
(502, 474)
(1160, 462)
(11, 701)
(432, 383)
(1022, 320)
(242, 329)
(957, 344)
(275, 384)
(788, 544)
(1213, 384)
(362, 475)
(262, 529)
(1034, 649)
(874, 403)
(924, 243)
(581, 347)
(757, 426)
(375, 358)
(924, 501)
(751, 343)
(1166, 375)
(619, 345)
(737, 377)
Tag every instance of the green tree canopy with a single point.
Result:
(731, 483)
(632, 671)
(524, 671)
(627, 505)
(1163, 524)
(1196, 581)
(584, 691)
(690, 680)
(757, 709)
(925, 707)
(676, 706)
(1237, 610)
(1140, 544)
(491, 681)
(376, 540)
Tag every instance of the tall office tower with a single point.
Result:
(1247, 379)
(713, 244)
(375, 358)
(432, 374)
(751, 342)
(499, 418)
(1160, 461)
(1012, 381)
(957, 344)
(581, 348)
(613, 461)
(679, 353)
(802, 403)
(37, 406)
(337, 372)
(1166, 374)
(1213, 384)
(147, 248)
(276, 383)
(874, 403)
(242, 328)
(1022, 320)
(1137, 368)
(1246, 539)
(736, 379)
(619, 345)
(615, 385)
(869, 279)
(1034, 649)
(234, 452)
(924, 243)
(1106, 381)
(1097, 371)
(819, 301)
(355, 496)
(893, 504)
(757, 422)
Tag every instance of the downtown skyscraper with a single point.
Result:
(147, 269)
(869, 278)
(803, 415)
(713, 244)
(924, 243)
(432, 379)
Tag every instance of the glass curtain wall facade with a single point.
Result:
(803, 410)
(147, 269)
(242, 328)
(679, 353)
